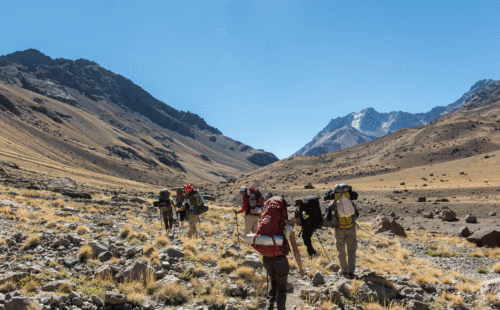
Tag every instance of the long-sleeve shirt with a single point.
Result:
(246, 205)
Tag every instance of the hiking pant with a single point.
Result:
(251, 223)
(182, 214)
(307, 234)
(277, 269)
(192, 225)
(168, 218)
(346, 237)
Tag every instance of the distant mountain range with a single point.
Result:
(361, 127)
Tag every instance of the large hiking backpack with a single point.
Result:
(197, 203)
(254, 200)
(346, 212)
(272, 223)
(310, 213)
(164, 203)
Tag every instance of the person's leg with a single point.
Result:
(281, 270)
(272, 285)
(340, 244)
(254, 222)
(165, 220)
(170, 215)
(352, 245)
(306, 236)
(192, 225)
(248, 225)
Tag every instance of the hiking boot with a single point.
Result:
(270, 305)
(345, 275)
(351, 276)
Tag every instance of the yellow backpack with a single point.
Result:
(345, 221)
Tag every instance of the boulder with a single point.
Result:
(138, 200)
(318, 279)
(54, 285)
(76, 194)
(471, 219)
(370, 291)
(173, 253)
(487, 237)
(308, 186)
(60, 184)
(98, 247)
(464, 232)
(19, 303)
(137, 271)
(386, 223)
(421, 199)
(97, 301)
(3, 172)
(9, 164)
(103, 271)
(114, 298)
(416, 305)
(105, 256)
(490, 287)
(448, 215)
(13, 276)
(168, 280)
(75, 238)
(428, 215)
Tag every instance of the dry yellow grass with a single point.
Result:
(496, 268)
(32, 286)
(205, 256)
(7, 286)
(125, 232)
(85, 252)
(161, 242)
(82, 230)
(32, 241)
(227, 265)
(452, 299)
(173, 294)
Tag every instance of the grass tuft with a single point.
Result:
(32, 241)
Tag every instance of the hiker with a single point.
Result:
(165, 204)
(272, 240)
(309, 214)
(343, 214)
(180, 207)
(195, 208)
(252, 205)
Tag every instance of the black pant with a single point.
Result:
(307, 234)
(277, 269)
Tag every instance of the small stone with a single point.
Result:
(464, 232)
(97, 301)
(318, 279)
(105, 256)
(113, 298)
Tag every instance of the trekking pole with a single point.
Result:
(323, 247)
(237, 230)
(372, 234)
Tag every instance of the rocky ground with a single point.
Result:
(60, 250)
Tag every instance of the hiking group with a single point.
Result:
(270, 232)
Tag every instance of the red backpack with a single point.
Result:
(271, 223)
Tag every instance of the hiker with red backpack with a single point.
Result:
(253, 204)
(272, 240)
(343, 214)
(195, 208)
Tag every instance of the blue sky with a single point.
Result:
(272, 74)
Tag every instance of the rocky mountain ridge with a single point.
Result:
(371, 124)
(100, 121)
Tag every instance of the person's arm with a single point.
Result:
(318, 214)
(246, 203)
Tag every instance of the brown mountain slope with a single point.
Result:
(49, 136)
